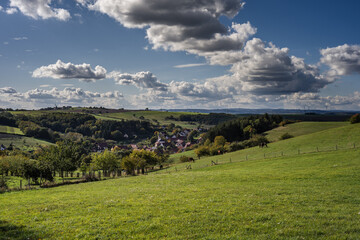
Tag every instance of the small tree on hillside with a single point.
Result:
(107, 161)
(355, 118)
(286, 136)
(202, 151)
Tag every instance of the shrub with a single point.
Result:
(184, 159)
(286, 136)
(235, 146)
(3, 184)
(355, 118)
(285, 122)
(202, 151)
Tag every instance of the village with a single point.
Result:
(176, 142)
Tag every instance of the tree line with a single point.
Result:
(68, 156)
(50, 126)
(237, 134)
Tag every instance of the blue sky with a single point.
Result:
(197, 54)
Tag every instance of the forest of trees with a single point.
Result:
(244, 128)
(237, 134)
(49, 126)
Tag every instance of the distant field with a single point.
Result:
(21, 142)
(32, 113)
(302, 128)
(10, 130)
(154, 116)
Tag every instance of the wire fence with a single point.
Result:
(241, 156)
(258, 155)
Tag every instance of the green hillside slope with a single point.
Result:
(313, 196)
(302, 128)
(305, 196)
(346, 137)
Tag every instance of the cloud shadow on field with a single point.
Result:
(14, 232)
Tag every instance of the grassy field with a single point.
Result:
(154, 116)
(305, 196)
(346, 137)
(313, 196)
(21, 142)
(319, 141)
(10, 130)
(302, 128)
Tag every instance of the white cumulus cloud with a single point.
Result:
(11, 10)
(342, 60)
(182, 25)
(268, 70)
(140, 80)
(36, 98)
(61, 70)
(39, 9)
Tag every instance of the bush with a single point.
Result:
(286, 136)
(355, 118)
(3, 184)
(286, 122)
(184, 159)
(235, 146)
(202, 151)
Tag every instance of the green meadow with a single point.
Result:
(10, 130)
(308, 137)
(302, 128)
(296, 196)
(22, 142)
(153, 116)
(302, 197)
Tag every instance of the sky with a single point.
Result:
(165, 54)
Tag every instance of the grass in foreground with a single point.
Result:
(314, 196)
